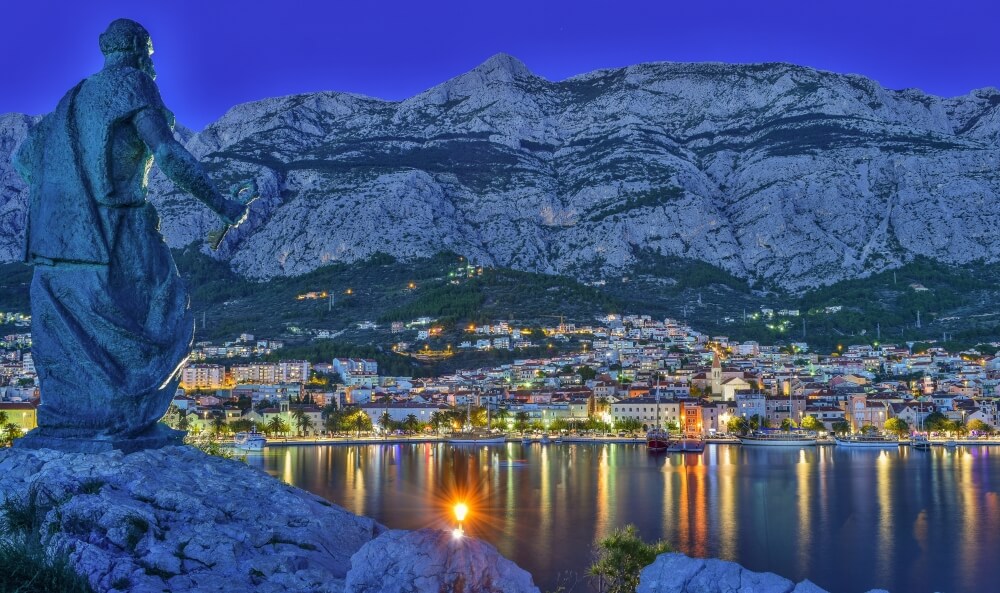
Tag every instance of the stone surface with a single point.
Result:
(175, 519)
(677, 573)
(433, 561)
(158, 436)
(111, 321)
(778, 173)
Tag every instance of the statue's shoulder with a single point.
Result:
(125, 90)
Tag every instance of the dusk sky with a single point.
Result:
(211, 55)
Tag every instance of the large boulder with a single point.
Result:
(433, 561)
(677, 573)
(176, 519)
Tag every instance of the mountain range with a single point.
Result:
(782, 175)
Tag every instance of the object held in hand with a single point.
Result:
(242, 193)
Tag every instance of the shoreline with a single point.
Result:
(295, 442)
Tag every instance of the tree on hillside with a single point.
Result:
(621, 557)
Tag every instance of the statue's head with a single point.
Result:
(130, 40)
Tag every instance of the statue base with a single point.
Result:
(155, 438)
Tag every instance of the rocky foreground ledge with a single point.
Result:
(176, 519)
(676, 573)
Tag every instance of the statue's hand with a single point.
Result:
(235, 210)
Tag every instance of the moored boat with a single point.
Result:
(920, 443)
(687, 445)
(476, 437)
(657, 440)
(867, 441)
(249, 441)
(778, 439)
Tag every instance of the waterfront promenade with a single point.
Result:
(413, 439)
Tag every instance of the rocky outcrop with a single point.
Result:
(780, 174)
(433, 561)
(176, 519)
(677, 573)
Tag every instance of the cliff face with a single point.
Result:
(779, 174)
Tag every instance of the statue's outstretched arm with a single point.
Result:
(181, 167)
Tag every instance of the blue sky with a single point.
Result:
(212, 54)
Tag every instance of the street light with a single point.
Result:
(461, 510)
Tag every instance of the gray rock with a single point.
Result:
(433, 561)
(677, 573)
(175, 519)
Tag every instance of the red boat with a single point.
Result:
(657, 440)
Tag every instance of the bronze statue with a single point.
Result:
(111, 326)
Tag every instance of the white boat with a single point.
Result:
(920, 443)
(249, 441)
(867, 441)
(476, 437)
(778, 439)
(526, 440)
(950, 443)
(545, 439)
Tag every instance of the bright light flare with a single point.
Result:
(457, 533)
(461, 510)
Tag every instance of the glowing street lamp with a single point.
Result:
(461, 511)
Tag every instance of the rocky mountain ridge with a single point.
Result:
(786, 176)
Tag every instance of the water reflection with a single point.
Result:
(849, 520)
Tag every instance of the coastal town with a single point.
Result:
(631, 373)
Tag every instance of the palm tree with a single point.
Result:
(411, 423)
(333, 421)
(361, 422)
(521, 421)
(276, 425)
(305, 423)
(385, 421)
(298, 414)
(11, 431)
(219, 425)
(502, 416)
(437, 419)
(183, 423)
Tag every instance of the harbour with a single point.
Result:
(905, 520)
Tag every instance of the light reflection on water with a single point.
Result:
(849, 520)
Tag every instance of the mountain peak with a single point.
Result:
(503, 67)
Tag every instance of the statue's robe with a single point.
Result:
(111, 325)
